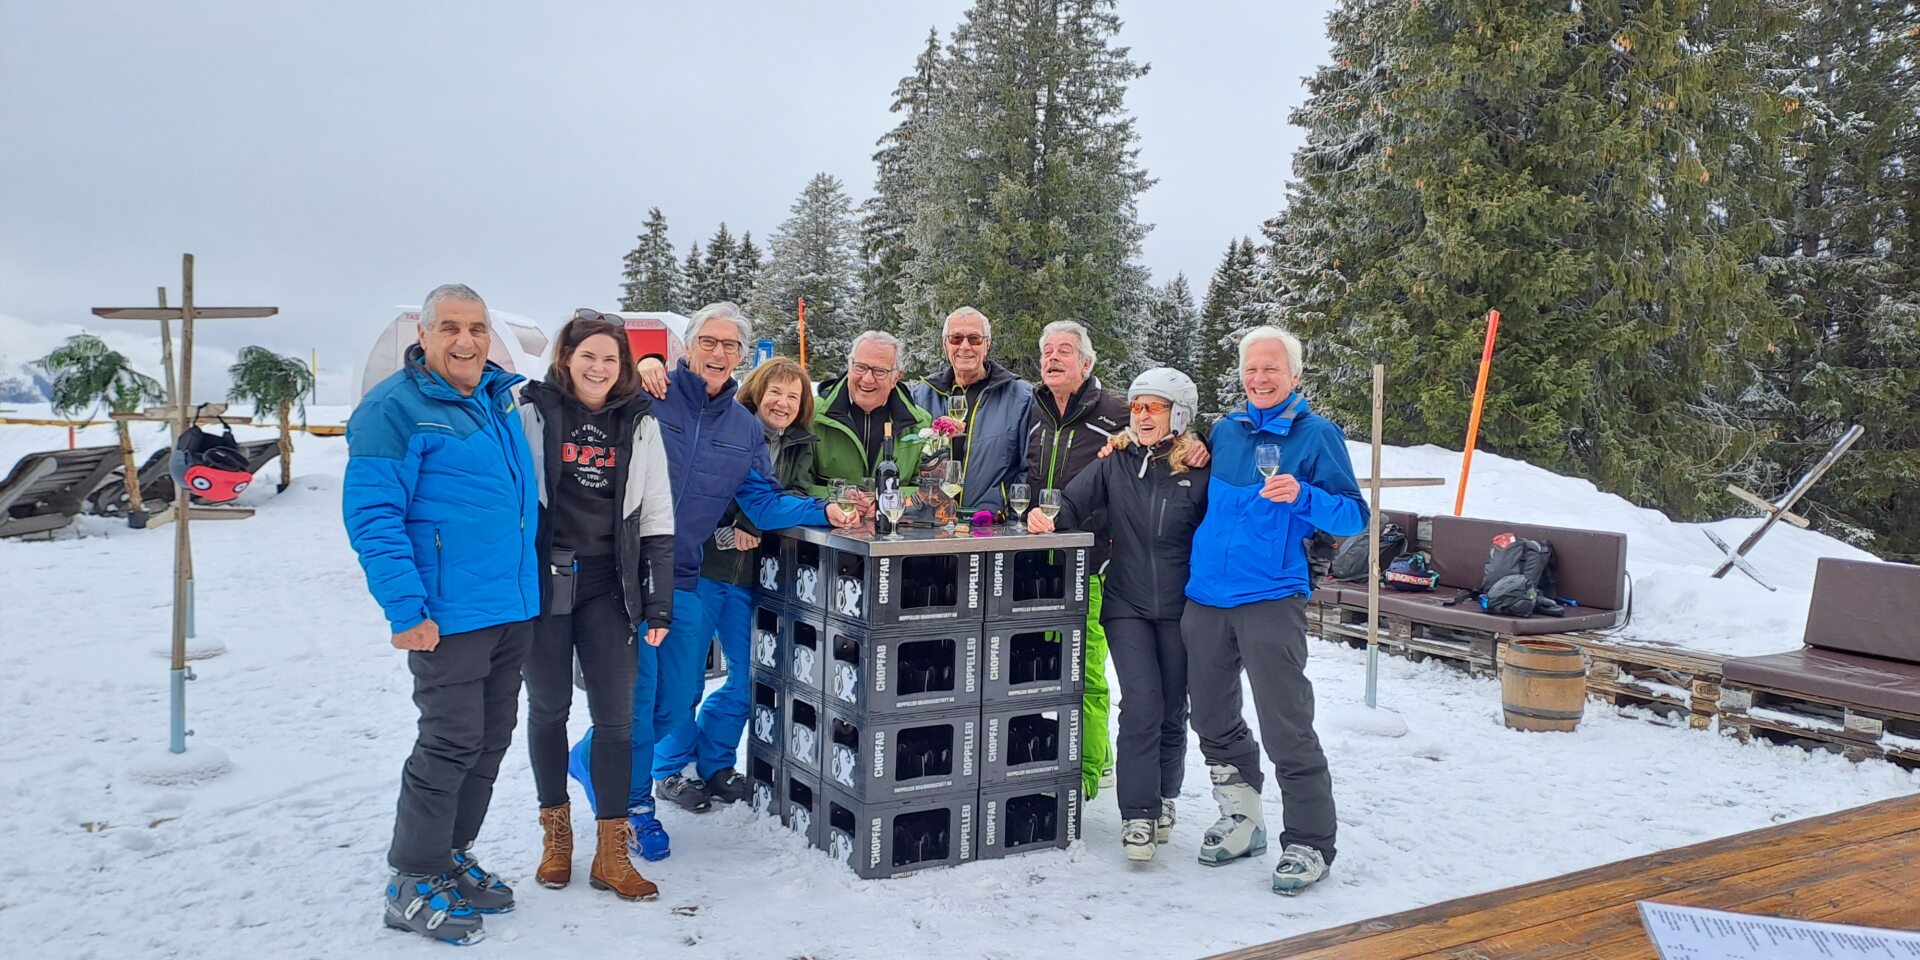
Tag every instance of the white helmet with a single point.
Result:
(1174, 386)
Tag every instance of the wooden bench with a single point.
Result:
(45, 490)
(1854, 688)
(1858, 866)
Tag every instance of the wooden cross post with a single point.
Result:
(179, 399)
(1776, 512)
(1373, 485)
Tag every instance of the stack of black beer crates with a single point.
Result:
(917, 702)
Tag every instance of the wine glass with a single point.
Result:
(846, 495)
(1050, 503)
(1017, 500)
(957, 407)
(893, 505)
(1267, 457)
(953, 480)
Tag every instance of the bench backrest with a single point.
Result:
(1866, 607)
(1590, 565)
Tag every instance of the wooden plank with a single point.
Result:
(176, 313)
(1767, 506)
(1441, 926)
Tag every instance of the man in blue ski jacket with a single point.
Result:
(441, 504)
(1246, 604)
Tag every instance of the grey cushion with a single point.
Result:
(1872, 682)
(1866, 607)
(1590, 565)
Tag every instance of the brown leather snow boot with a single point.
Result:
(556, 851)
(612, 870)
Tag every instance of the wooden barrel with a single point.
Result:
(1543, 685)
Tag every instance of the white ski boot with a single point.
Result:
(1163, 827)
(1136, 838)
(1241, 830)
(1300, 867)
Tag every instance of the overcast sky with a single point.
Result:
(336, 158)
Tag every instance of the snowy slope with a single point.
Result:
(283, 856)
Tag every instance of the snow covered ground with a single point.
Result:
(283, 856)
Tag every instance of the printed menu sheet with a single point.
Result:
(1691, 933)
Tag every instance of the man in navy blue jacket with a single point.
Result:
(1246, 605)
(441, 504)
(716, 455)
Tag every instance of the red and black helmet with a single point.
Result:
(210, 467)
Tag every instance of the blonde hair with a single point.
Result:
(1176, 457)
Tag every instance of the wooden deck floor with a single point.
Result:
(1859, 866)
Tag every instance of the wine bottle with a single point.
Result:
(886, 478)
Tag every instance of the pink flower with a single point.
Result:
(948, 427)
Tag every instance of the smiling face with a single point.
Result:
(780, 404)
(593, 368)
(456, 343)
(1062, 368)
(1152, 418)
(967, 344)
(871, 374)
(713, 351)
(1267, 374)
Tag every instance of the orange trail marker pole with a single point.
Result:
(803, 331)
(1479, 398)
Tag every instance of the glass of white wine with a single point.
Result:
(1049, 503)
(1017, 501)
(893, 505)
(1267, 457)
(957, 407)
(847, 495)
(953, 481)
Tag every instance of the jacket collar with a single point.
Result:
(548, 399)
(494, 379)
(1275, 420)
(836, 402)
(942, 382)
(693, 388)
(1079, 404)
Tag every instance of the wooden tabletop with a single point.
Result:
(1858, 866)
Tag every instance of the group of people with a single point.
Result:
(607, 515)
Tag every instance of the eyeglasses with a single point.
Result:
(729, 347)
(1149, 407)
(971, 339)
(859, 369)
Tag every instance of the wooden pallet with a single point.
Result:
(1749, 712)
(1673, 682)
(1475, 652)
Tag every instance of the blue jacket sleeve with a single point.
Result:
(1330, 496)
(382, 468)
(769, 507)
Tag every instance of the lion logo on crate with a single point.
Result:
(846, 682)
(770, 573)
(802, 741)
(847, 599)
(763, 725)
(762, 801)
(806, 584)
(844, 763)
(803, 663)
(840, 847)
(800, 819)
(764, 646)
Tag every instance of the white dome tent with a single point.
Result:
(519, 350)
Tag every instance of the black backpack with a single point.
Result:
(1350, 561)
(1519, 579)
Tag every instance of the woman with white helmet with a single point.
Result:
(1146, 497)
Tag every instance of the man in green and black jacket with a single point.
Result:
(853, 410)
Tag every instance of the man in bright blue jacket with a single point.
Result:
(1246, 604)
(441, 504)
(716, 455)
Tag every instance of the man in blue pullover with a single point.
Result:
(442, 504)
(1247, 602)
(716, 455)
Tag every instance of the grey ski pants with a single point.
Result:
(1270, 639)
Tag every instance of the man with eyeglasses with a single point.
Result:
(853, 412)
(716, 456)
(996, 406)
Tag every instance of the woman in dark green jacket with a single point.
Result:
(779, 393)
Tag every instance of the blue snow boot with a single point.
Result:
(578, 766)
(432, 907)
(482, 889)
(649, 837)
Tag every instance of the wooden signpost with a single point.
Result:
(1373, 485)
(178, 412)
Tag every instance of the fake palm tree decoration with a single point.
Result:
(272, 382)
(87, 374)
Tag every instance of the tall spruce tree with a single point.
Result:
(885, 217)
(743, 271)
(814, 254)
(694, 286)
(1601, 173)
(1216, 359)
(1171, 330)
(1024, 179)
(716, 280)
(651, 280)
(1846, 272)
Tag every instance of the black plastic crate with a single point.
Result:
(773, 568)
(1030, 740)
(887, 590)
(808, 561)
(766, 776)
(803, 806)
(877, 760)
(766, 636)
(1048, 582)
(884, 671)
(1034, 660)
(803, 650)
(805, 731)
(1021, 817)
(879, 840)
(767, 714)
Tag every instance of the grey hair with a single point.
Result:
(1079, 332)
(882, 338)
(723, 310)
(1269, 332)
(986, 326)
(443, 293)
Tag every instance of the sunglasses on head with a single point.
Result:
(588, 313)
(972, 339)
